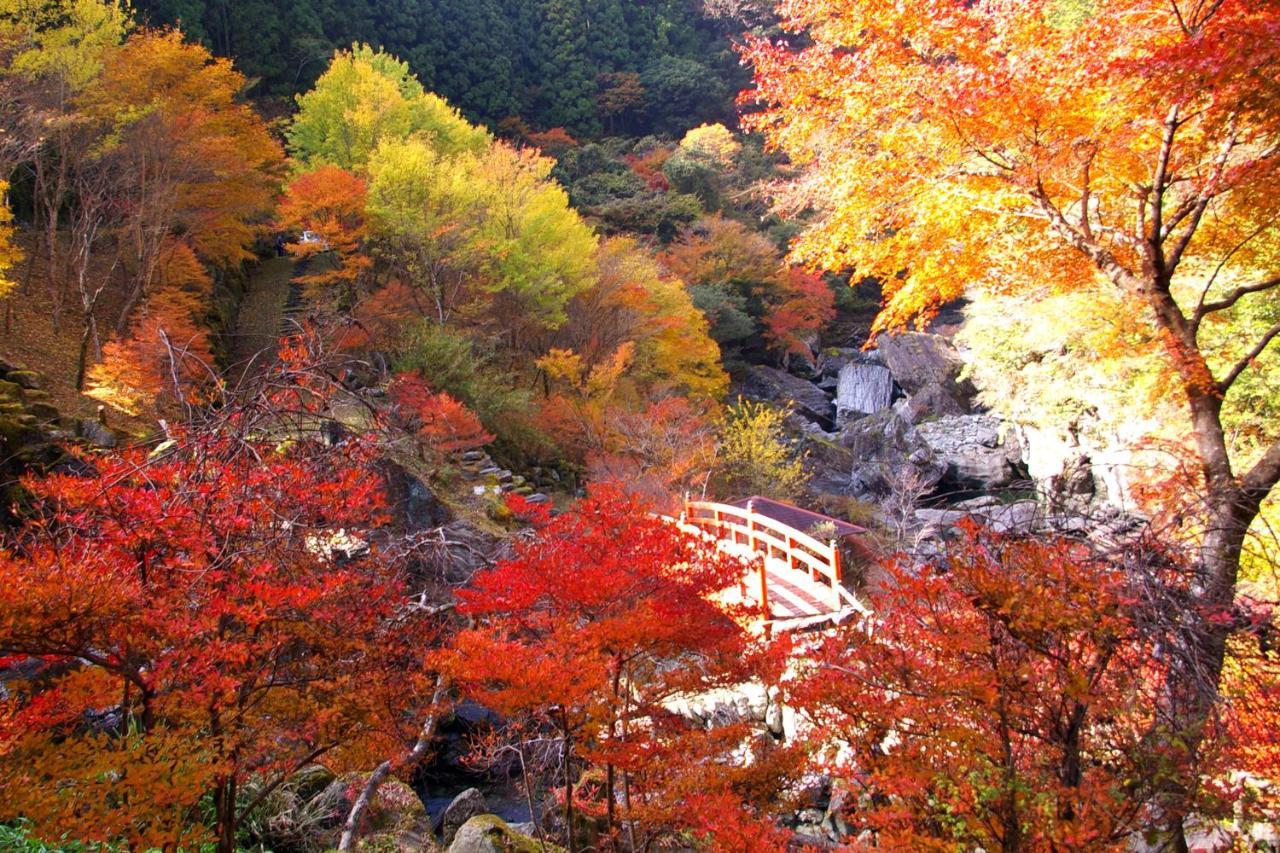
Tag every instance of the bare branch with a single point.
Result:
(1243, 364)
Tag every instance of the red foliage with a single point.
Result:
(210, 609)
(581, 629)
(441, 423)
(648, 167)
(1007, 701)
(553, 142)
(800, 307)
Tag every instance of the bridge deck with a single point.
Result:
(793, 595)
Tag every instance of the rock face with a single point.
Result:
(411, 500)
(863, 389)
(885, 451)
(917, 360)
(928, 369)
(465, 806)
(491, 834)
(977, 452)
(778, 386)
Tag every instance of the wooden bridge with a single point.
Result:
(796, 579)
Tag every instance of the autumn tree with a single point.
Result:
(10, 254)
(756, 456)
(191, 159)
(488, 235)
(189, 619)
(330, 203)
(367, 96)
(1126, 144)
(801, 306)
(441, 425)
(591, 630)
(737, 279)
(1004, 700)
(165, 359)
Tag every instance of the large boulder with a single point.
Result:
(886, 454)
(863, 389)
(976, 452)
(777, 386)
(410, 499)
(491, 834)
(465, 806)
(928, 364)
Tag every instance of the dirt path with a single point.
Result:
(272, 294)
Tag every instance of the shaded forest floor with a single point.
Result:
(34, 336)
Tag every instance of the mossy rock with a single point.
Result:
(44, 411)
(26, 378)
(488, 833)
(10, 391)
(35, 395)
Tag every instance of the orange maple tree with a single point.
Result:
(1006, 701)
(442, 425)
(1035, 146)
(192, 618)
(329, 202)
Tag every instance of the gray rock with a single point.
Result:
(777, 386)
(917, 360)
(464, 807)
(96, 434)
(863, 389)
(932, 401)
(411, 500)
(885, 449)
(976, 451)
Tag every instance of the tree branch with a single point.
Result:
(1234, 296)
(1243, 364)
(1264, 474)
(351, 827)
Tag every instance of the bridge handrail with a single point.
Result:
(796, 545)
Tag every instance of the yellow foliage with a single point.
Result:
(755, 457)
(10, 254)
(713, 142)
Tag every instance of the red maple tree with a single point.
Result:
(592, 630)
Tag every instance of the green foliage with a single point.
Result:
(681, 92)
(726, 310)
(545, 60)
(458, 365)
(494, 219)
(755, 456)
(14, 839)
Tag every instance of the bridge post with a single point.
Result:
(837, 573)
(764, 590)
(751, 525)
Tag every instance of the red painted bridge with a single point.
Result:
(796, 579)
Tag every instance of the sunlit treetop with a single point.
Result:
(1015, 142)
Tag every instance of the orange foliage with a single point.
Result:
(797, 312)
(168, 353)
(330, 203)
(553, 142)
(194, 157)
(442, 425)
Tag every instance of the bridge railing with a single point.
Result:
(771, 538)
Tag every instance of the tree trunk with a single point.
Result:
(351, 828)
(224, 801)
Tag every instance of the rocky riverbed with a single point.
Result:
(900, 427)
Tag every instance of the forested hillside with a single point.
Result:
(585, 65)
